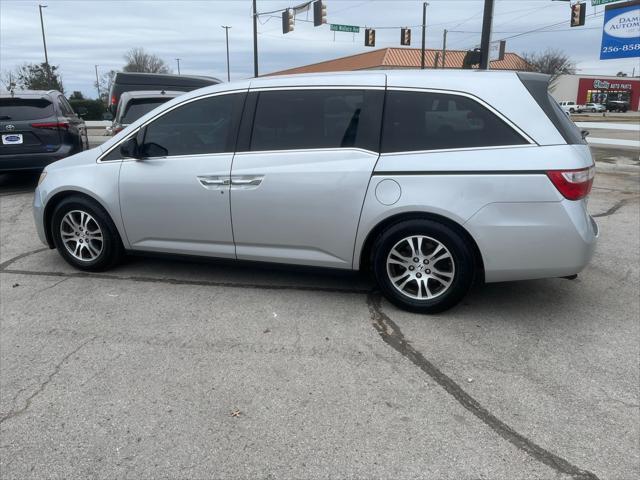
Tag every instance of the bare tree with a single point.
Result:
(140, 61)
(552, 62)
(106, 80)
(8, 80)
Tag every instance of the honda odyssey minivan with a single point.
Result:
(429, 180)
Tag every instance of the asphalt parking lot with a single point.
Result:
(193, 369)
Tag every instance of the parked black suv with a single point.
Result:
(36, 129)
(617, 106)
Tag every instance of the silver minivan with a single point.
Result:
(429, 180)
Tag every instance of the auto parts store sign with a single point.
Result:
(621, 32)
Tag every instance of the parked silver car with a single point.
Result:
(427, 180)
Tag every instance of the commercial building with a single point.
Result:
(598, 89)
(396, 58)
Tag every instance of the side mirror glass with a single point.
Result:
(129, 149)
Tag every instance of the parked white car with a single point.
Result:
(595, 107)
(572, 107)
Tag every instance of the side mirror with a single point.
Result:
(130, 149)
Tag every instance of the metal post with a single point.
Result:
(226, 31)
(255, 39)
(97, 82)
(444, 48)
(44, 42)
(487, 19)
(178, 60)
(424, 27)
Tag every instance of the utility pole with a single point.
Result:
(255, 39)
(226, 31)
(97, 82)
(424, 27)
(178, 60)
(44, 42)
(444, 48)
(487, 20)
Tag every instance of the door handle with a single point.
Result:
(246, 180)
(213, 180)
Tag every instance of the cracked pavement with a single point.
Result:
(140, 372)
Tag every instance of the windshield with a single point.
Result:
(137, 108)
(25, 108)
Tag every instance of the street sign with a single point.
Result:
(344, 28)
(595, 3)
(621, 31)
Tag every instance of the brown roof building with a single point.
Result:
(395, 58)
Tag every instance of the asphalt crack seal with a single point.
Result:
(392, 336)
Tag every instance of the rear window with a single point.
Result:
(433, 121)
(538, 86)
(25, 108)
(137, 108)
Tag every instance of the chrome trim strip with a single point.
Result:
(207, 95)
(464, 149)
(309, 150)
(472, 97)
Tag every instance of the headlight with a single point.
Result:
(42, 176)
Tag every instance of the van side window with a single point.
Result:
(431, 121)
(208, 125)
(330, 118)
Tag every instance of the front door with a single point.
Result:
(297, 193)
(177, 198)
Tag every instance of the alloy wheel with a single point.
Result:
(81, 235)
(420, 267)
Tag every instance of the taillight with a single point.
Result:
(54, 125)
(113, 100)
(573, 184)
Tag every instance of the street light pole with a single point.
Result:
(178, 60)
(424, 27)
(226, 31)
(44, 42)
(97, 82)
(255, 39)
(487, 19)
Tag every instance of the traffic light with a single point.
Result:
(319, 13)
(578, 11)
(405, 36)
(287, 21)
(369, 37)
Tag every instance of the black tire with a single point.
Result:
(572, 110)
(462, 265)
(593, 110)
(111, 251)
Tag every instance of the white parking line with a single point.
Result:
(610, 126)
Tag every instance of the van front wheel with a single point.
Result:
(423, 266)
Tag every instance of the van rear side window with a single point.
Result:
(434, 121)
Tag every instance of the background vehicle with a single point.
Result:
(133, 105)
(130, 82)
(37, 128)
(572, 107)
(312, 170)
(617, 106)
(595, 107)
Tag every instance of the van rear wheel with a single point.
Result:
(423, 266)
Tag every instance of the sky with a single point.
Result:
(83, 33)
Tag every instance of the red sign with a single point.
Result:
(599, 90)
